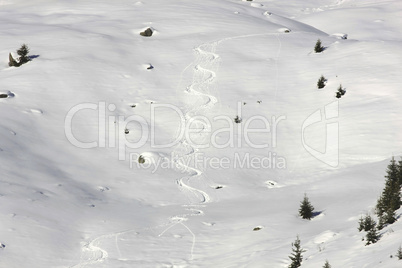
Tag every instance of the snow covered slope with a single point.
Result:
(73, 193)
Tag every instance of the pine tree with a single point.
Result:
(321, 82)
(306, 209)
(399, 253)
(369, 225)
(361, 224)
(340, 92)
(372, 236)
(318, 47)
(390, 199)
(326, 264)
(23, 57)
(366, 224)
(400, 172)
(296, 257)
(23, 53)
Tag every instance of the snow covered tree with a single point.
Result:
(321, 82)
(318, 47)
(326, 264)
(306, 209)
(296, 257)
(390, 199)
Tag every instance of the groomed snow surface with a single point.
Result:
(214, 195)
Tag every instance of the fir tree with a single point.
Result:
(306, 209)
(318, 47)
(326, 264)
(23, 53)
(399, 253)
(372, 236)
(400, 172)
(23, 57)
(296, 257)
(361, 224)
(340, 92)
(367, 223)
(321, 82)
(390, 199)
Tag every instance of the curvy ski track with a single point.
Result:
(204, 74)
(92, 253)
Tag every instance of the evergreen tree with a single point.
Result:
(366, 224)
(369, 225)
(361, 224)
(321, 82)
(296, 257)
(306, 209)
(23, 53)
(390, 199)
(400, 172)
(326, 264)
(318, 47)
(340, 92)
(23, 57)
(399, 253)
(372, 236)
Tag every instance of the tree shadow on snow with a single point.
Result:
(317, 213)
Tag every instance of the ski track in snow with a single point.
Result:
(204, 75)
(92, 253)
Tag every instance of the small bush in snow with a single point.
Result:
(237, 119)
(318, 47)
